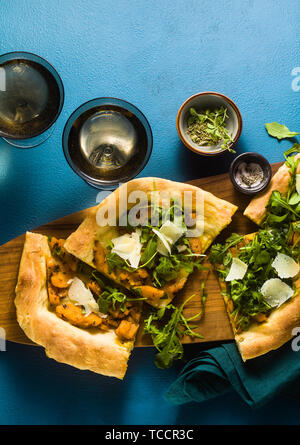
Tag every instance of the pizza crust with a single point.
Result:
(261, 338)
(100, 352)
(217, 215)
(256, 210)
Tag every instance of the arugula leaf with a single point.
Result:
(95, 276)
(146, 234)
(147, 256)
(294, 199)
(219, 251)
(279, 131)
(84, 269)
(112, 297)
(290, 160)
(277, 202)
(115, 261)
(167, 326)
(103, 304)
(167, 268)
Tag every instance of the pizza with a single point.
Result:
(157, 241)
(260, 282)
(65, 306)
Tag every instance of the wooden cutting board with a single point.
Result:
(214, 324)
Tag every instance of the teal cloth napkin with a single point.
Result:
(218, 370)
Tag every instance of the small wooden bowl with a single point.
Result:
(209, 100)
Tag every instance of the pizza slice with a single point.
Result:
(158, 238)
(65, 306)
(260, 282)
(283, 185)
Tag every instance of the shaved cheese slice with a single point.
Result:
(128, 247)
(237, 270)
(79, 294)
(163, 246)
(168, 234)
(276, 292)
(171, 231)
(285, 266)
(181, 248)
(298, 183)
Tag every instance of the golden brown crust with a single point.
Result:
(264, 337)
(98, 351)
(217, 215)
(269, 335)
(256, 210)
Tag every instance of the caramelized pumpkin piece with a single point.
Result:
(127, 330)
(61, 279)
(74, 315)
(143, 273)
(134, 315)
(133, 278)
(94, 287)
(195, 245)
(59, 274)
(55, 294)
(99, 256)
(175, 286)
(151, 293)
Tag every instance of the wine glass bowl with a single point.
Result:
(31, 98)
(107, 141)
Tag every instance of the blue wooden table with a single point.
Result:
(154, 54)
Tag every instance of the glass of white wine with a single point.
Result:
(107, 141)
(31, 99)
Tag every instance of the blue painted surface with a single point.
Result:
(154, 54)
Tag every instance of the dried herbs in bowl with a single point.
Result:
(208, 127)
(209, 123)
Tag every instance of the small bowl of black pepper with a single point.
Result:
(250, 173)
